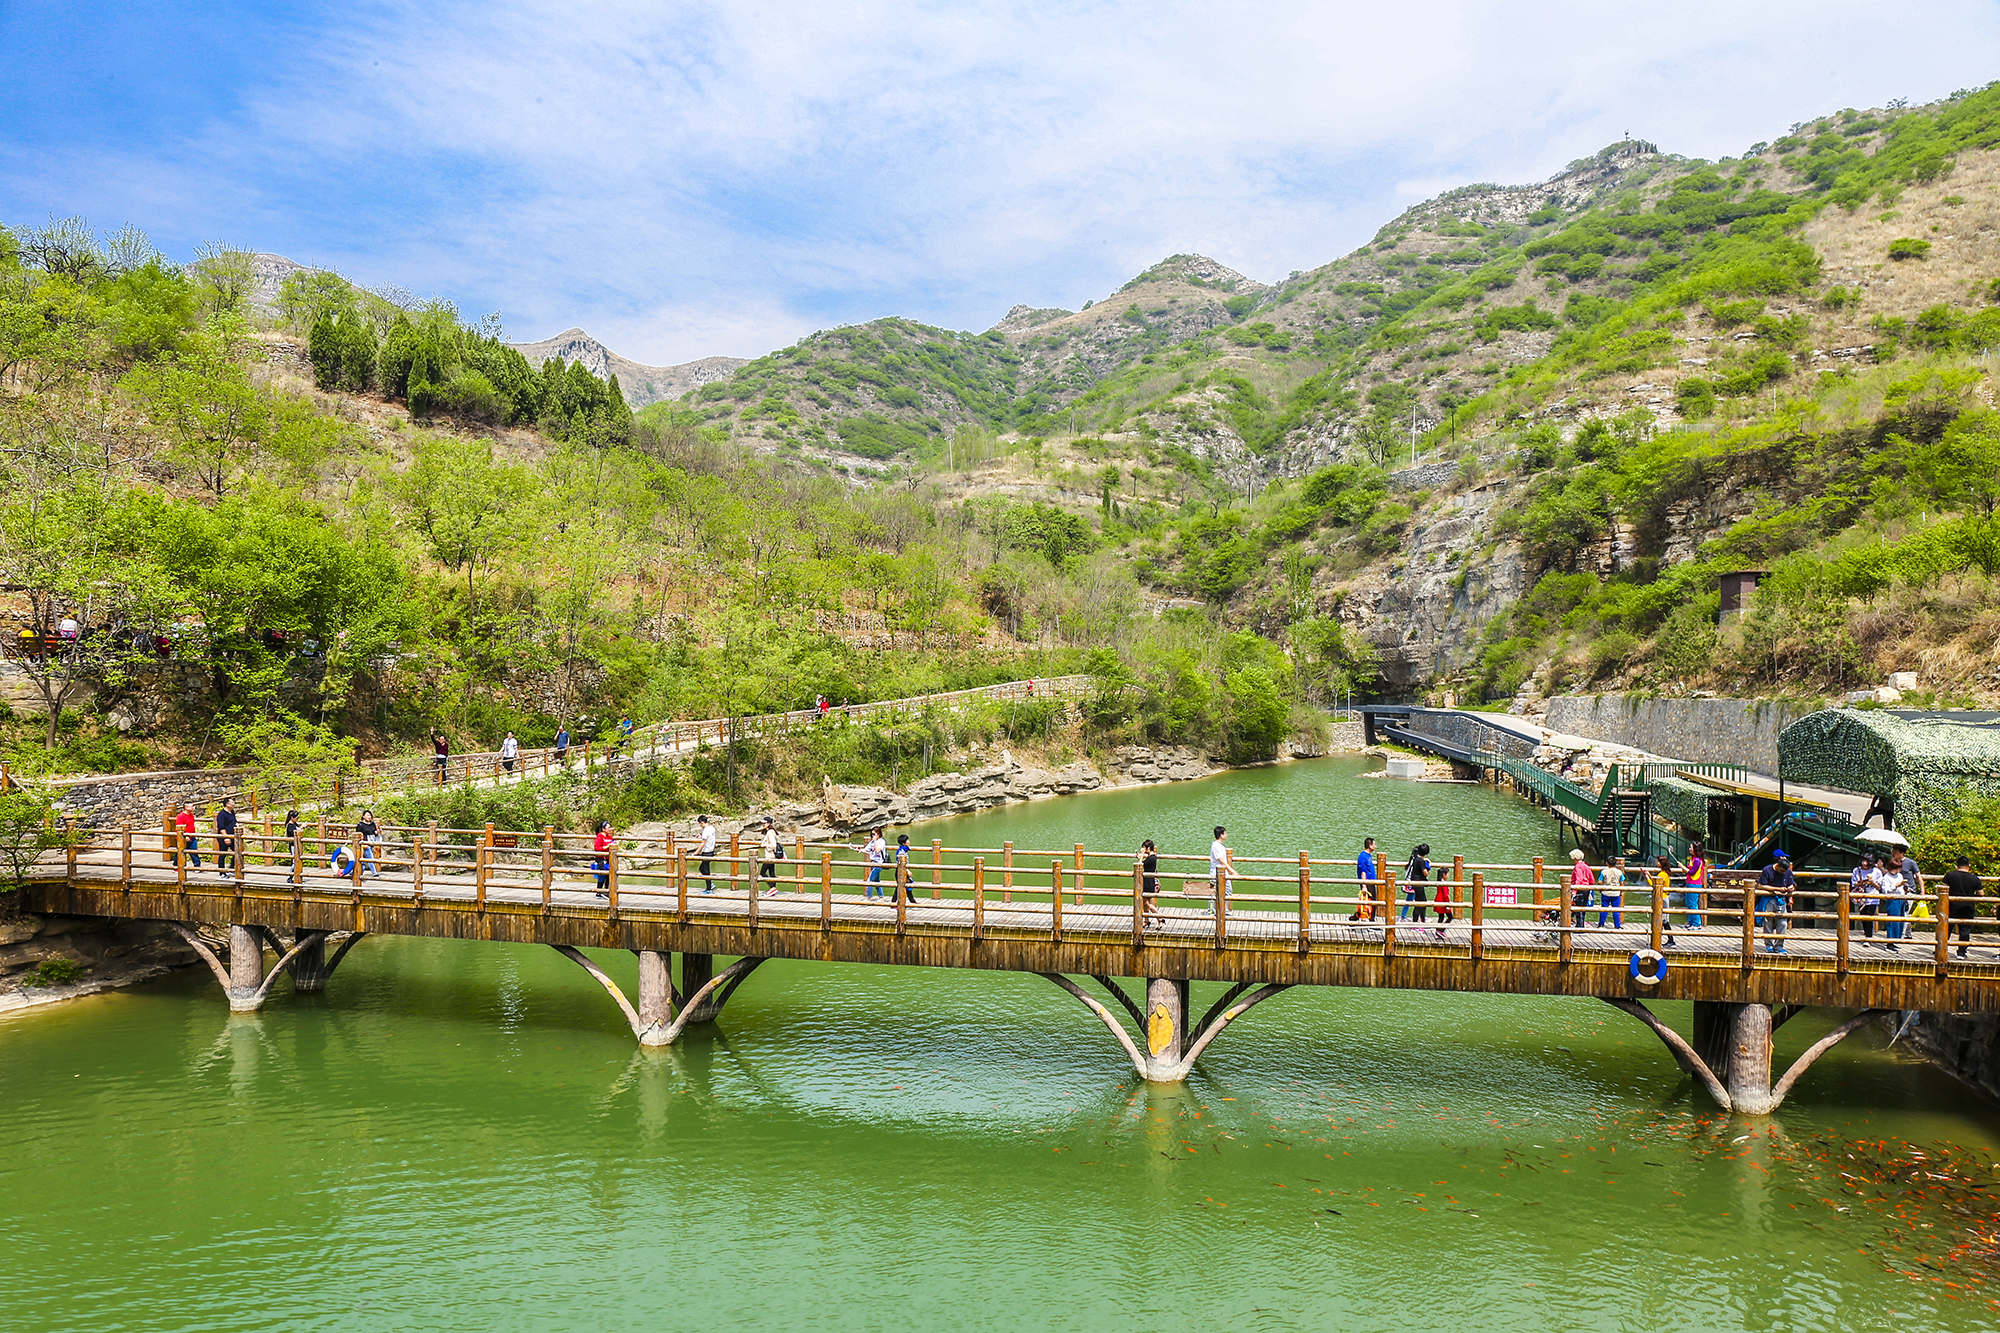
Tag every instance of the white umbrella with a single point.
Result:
(1885, 835)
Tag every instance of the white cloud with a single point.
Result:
(698, 179)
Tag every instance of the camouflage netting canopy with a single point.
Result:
(1919, 763)
(1683, 804)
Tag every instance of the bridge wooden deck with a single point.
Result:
(1288, 921)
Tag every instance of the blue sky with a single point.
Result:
(687, 180)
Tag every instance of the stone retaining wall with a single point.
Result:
(139, 799)
(1966, 1046)
(1701, 731)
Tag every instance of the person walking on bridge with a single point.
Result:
(1864, 895)
(225, 837)
(1611, 898)
(773, 848)
(1369, 873)
(1963, 888)
(562, 746)
(293, 852)
(601, 850)
(190, 846)
(707, 866)
(1416, 873)
(510, 750)
(1775, 901)
(1220, 867)
(903, 887)
(440, 756)
(1695, 887)
(1582, 879)
(1895, 901)
(876, 850)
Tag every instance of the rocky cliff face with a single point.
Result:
(642, 384)
(111, 953)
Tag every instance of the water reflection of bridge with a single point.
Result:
(1062, 913)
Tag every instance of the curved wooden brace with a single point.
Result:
(1118, 994)
(280, 966)
(1228, 998)
(575, 955)
(1821, 1047)
(207, 954)
(341, 952)
(729, 979)
(1110, 1019)
(1211, 1028)
(1696, 1067)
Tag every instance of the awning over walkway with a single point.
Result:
(1919, 764)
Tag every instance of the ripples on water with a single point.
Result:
(464, 1136)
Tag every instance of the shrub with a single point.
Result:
(1695, 398)
(1609, 650)
(55, 971)
(1909, 247)
(1971, 830)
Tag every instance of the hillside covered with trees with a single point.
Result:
(1506, 446)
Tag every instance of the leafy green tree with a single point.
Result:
(1963, 466)
(310, 294)
(224, 277)
(466, 506)
(203, 395)
(25, 833)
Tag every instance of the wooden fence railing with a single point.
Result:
(1294, 898)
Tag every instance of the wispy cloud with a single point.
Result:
(725, 177)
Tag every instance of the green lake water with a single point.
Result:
(465, 1136)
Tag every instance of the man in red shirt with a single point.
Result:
(184, 821)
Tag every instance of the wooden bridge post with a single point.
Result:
(1007, 872)
(125, 857)
(681, 885)
(170, 842)
(978, 898)
(1305, 900)
(798, 862)
(1387, 888)
(479, 863)
(1842, 927)
(825, 891)
(1138, 903)
(735, 852)
(1078, 885)
(1538, 881)
(1055, 901)
(1658, 898)
(548, 866)
(1749, 888)
(1478, 915)
(611, 885)
(901, 899)
(417, 873)
(937, 868)
(269, 839)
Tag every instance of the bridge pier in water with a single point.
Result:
(1167, 1044)
(664, 1011)
(1730, 1055)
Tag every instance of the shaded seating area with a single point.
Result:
(1913, 764)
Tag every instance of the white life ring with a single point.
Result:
(1645, 959)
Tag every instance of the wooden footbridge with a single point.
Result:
(1065, 914)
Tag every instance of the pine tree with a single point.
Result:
(323, 350)
(393, 363)
(425, 377)
(357, 353)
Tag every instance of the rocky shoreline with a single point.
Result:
(113, 954)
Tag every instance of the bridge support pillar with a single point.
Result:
(244, 979)
(1731, 1052)
(657, 998)
(1166, 1028)
(1168, 1043)
(697, 970)
(312, 969)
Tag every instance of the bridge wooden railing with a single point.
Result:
(1471, 909)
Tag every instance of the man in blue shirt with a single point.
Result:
(1364, 870)
(1776, 883)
